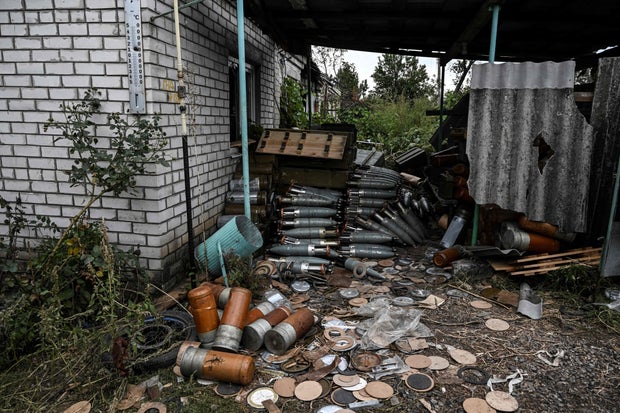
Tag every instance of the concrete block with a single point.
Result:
(13, 30)
(72, 29)
(47, 29)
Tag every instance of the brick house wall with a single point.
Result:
(54, 50)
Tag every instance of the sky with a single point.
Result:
(365, 63)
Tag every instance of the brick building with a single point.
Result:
(54, 50)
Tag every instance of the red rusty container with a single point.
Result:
(284, 335)
(217, 365)
(254, 333)
(444, 257)
(546, 229)
(233, 320)
(204, 310)
(220, 293)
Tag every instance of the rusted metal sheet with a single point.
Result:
(528, 145)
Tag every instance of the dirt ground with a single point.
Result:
(585, 377)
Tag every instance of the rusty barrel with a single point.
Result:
(259, 311)
(444, 257)
(233, 320)
(284, 335)
(254, 333)
(221, 294)
(204, 310)
(217, 365)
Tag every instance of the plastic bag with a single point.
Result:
(390, 324)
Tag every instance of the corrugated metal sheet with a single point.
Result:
(510, 106)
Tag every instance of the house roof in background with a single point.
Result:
(449, 29)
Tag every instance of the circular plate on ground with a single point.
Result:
(308, 390)
(477, 405)
(379, 390)
(362, 395)
(326, 386)
(334, 333)
(295, 365)
(438, 363)
(300, 286)
(344, 343)
(496, 324)
(343, 397)
(365, 361)
(346, 381)
(285, 386)
(420, 382)
(462, 356)
(349, 293)
(502, 401)
(227, 389)
(386, 263)
(147, 407)
(257, 396)
(403, 301)
(345, 411)
(418, 361)
(359, 386)
(330, 408)
(358, 302)
(481, 304)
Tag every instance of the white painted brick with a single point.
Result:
(131, 216)
(28, 151)
(74, 55)
(13, 30)
(77, 16)
(105, 29)
(115, 69)
(6, 43)
(41, 117)
(17, 80)
(104, 55)
(16, 185)
(59, 199)
(42, 163)
(21, 104)
(48, 105)
(111, 16)
(72, 29)
(69, 4)
(28, 43)
(98, 4)
(6, 68)
(93, 15)
(90, 43)
(58, 16)
(98, 214)
(24, 128)
(34, 93)
(43, 30)
(46, 81)
(57, 42)
(12, 162)
(38, 4)
(32, 68)
(49, 210)
(89, 69)
(76, 81)
(59, 68)
(46, 55)
(31, 18)
(115, 43)
(107, 82)
(15, 17)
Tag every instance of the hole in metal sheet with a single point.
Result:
(545, 152)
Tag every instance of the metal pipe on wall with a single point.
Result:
(183, 108)
(243, 108)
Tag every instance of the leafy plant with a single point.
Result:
(292, 112)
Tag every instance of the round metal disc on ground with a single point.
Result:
(257, 396)
(481, 304)
(359, 386)
(403, 301)
(151, 407)
(418, 361)
(285, 386)
(344, 343)
(349, 292)
(300, 286)
(308, 390)
(227, 389)
(365, 361)
(345, 411)
(462, 356)
(358, 302)
(344, 381)
(379, 390)
(496, 324)
(295, 365)
(326, 386)
(361, 395)
(419, 382)
(330, 408)
(438, 363)
(477, 405)
(334, 333)
(343, 397)
(386, 263)
(502, 401)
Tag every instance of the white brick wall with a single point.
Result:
(53, 50)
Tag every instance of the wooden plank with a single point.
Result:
(549, 269)
(562, 254)
(558, 261)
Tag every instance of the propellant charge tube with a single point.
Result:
(220, 293)
(204, 310)
(233, 320)
(444, 257)
(217, 365)
(284, 335)
(259, 311)
(546, 229)
(254, 333)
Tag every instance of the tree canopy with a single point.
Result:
(397, 75)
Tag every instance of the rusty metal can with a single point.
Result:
(444, 257)
(284, 335)
(217, 365)
(204, 310)
(231, 326)
(258, 312)
(220, 292)
(254, 333)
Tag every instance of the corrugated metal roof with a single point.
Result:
(504, 123)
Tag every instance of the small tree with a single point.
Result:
(397, 75)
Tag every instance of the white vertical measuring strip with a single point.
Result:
(135, 61)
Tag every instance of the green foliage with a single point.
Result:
(394, 125)
(347, 82)
(292, 114)
(401, 76)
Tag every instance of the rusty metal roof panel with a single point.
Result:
(528, 145)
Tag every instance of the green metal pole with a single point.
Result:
(612, 214)
(243, 108)
(495, 10)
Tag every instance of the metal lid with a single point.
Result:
(349, 293)
(300, 286)
(403, 301)
(257, 396)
